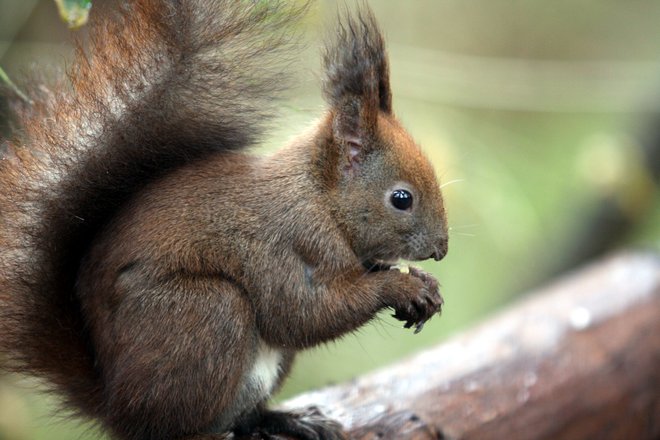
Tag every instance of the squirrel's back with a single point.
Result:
(161, 84)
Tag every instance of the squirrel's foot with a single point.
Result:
(309, 424)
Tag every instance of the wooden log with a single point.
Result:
(578, 360)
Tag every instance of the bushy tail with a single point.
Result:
(161, 83)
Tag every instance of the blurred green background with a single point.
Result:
(539, 117)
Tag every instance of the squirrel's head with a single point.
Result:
(385, 193)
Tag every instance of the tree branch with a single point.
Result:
(578, 360)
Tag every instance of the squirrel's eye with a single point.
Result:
(401, 199)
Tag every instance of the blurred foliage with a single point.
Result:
(6, 81)
(538, 116)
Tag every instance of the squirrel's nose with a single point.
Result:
(441, 250)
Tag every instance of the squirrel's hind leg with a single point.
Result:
(173, 356)
(309, 424)
(210, 437)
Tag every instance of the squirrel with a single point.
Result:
(161, 278)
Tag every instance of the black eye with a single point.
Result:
(401, 199)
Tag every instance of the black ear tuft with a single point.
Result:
(356, 66)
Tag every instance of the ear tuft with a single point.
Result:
(356, 66)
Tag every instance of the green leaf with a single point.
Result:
(74, 12)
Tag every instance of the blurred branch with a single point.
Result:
(524, 84)
(577, 360)
(16, 14)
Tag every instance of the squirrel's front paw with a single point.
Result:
(422, 302)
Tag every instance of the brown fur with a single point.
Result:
(142, 281)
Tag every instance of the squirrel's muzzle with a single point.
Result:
(440, 250)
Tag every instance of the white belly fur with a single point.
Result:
(266, 367)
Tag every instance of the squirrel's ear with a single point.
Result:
(356, 83)
(350, 130)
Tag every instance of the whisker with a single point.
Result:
(451, 182)
(464, 226)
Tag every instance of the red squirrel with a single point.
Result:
(159, 277)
